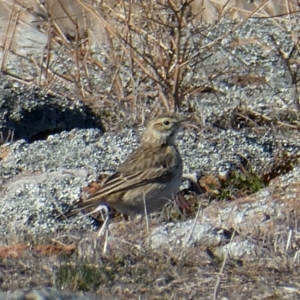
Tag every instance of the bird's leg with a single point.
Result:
(181, 202)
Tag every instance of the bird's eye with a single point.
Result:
(166, 122)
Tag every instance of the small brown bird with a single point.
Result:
(151, 175)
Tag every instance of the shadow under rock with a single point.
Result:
(33, 115)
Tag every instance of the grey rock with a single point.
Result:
(42, 178)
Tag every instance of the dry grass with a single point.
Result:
(142, 57)
(7, 136)
(133, 270)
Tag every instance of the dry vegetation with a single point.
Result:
(131, 270)
(134, 56)
(142, 58)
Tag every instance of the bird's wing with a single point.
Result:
(154, 168)
(134, 172)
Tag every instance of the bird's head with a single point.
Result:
(163, 130)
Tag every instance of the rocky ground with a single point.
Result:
(239, 238)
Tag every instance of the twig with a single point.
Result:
(218, 282)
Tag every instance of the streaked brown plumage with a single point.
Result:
(153, 171)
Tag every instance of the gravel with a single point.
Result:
(45, 176)
(40, 177)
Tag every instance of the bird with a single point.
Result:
(149, 178)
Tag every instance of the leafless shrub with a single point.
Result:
(132, 57)
(144, 54)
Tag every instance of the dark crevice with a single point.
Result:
(41, 115)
